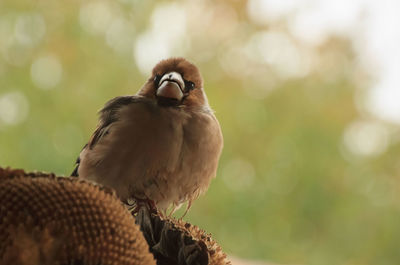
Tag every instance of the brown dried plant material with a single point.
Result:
(52, 220)
(31, 246)
(177, 242)
(8, 173)
(53, 227)
(217, 256)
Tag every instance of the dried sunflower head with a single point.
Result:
(52, 220)
(9, 173)
(177, 242)
(46, 219)
(216, 255)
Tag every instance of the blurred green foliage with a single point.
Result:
(287, 189)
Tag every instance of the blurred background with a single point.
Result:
(307, 93)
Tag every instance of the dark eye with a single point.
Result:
(157, 79)
(189, 85)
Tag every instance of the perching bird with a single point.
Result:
(161, 145)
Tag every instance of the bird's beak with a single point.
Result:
(171, 86)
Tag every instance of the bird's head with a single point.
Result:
(175, 82)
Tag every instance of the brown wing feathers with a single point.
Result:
(108, 115)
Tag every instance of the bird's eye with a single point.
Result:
(189, 85)
(157, 79)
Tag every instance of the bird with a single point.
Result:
(159, 147)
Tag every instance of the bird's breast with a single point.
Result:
(164, 154)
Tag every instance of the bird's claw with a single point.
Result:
(138, 203)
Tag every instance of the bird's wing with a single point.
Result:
(108, 115)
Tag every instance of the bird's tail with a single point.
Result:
(75, 172)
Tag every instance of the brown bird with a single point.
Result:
(161, 145)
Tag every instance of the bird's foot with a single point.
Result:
(139, 203)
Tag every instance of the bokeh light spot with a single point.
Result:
(148, 51)
(119, 35)
(19, 34)
(265, 11)
(30, 28)
(162, 39)
(95, 17)
(276, 49)
(14, 108)
(384, 98)
(234, 62)
(46, 72)
(366, 138)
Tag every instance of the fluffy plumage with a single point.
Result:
(162, 144)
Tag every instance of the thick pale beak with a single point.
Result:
(170, 86)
